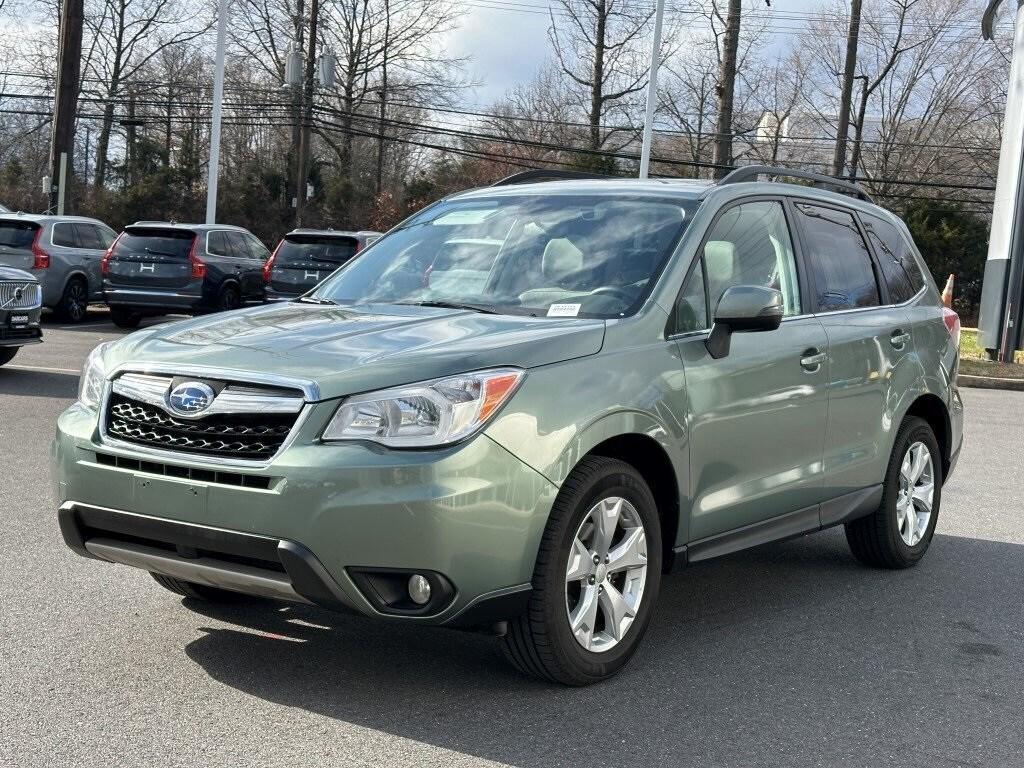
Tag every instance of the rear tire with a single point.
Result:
(7, 354)
(196, 591)
(74, 302)
(125, 318)
(895, 536)
(571, 574)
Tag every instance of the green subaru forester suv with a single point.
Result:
(521, 408)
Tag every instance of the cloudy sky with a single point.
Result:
(507, 39)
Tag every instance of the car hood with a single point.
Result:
(9, 273)
(344, 350)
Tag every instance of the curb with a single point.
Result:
(989, 382)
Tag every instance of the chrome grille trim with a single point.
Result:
(232, 400)
(245, 381)
(31, 295)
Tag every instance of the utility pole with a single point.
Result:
(652, 90)
(383, 98)
(1002, 296)
(213, 172)
(726, 89)
(846, 97)
(62, 136)
(306, 133)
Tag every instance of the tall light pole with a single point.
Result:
(999, 323)
(218, 101)
(306, 132)
(652, 90)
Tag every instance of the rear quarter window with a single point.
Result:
(64, 235)
(900, 270)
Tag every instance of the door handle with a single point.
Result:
(899, 338)
(812, 360)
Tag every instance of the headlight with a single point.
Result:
(90, 386)
(431, 413)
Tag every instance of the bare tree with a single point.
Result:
(598, 46)
(123, 36)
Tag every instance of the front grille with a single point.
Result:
(20, 295)
(218, 477)
(252, 436)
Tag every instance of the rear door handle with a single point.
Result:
(899, 338)
(812, 360)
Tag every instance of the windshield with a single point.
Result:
(555, 255)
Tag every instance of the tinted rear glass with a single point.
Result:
(839, 259)
(157, 243)
(899, 267)
(17, 234)
(332, 250)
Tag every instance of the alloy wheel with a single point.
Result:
(606, 574)
(76, 301)
(916, 493)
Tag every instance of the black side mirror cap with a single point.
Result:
(744, 308)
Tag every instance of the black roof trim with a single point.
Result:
(752, 172)
(546, 174)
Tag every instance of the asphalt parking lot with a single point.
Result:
(791, 654)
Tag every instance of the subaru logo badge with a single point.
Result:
(190, 398)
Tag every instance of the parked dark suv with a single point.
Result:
(155, 268)
(304, 257)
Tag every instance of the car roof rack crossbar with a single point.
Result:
(546, 174)
(752, 172)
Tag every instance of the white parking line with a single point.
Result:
(80, 326)
(43, 369)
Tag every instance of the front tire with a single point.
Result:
(7, 354)
(229, 299)
(899, 532)
(596, 579)
(125, 318)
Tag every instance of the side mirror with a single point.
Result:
(743, 308)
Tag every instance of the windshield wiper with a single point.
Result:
(450, 305)
(316, 300)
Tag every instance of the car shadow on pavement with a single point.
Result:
(14, 381)
(791, 654)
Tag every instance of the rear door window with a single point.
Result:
(65, 235)
(17, 234)
(900, 269)
(237, 245)
(89, 236)
(838, 259)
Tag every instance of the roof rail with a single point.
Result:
(752, 172)
(544, 174)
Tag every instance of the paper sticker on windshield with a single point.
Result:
(564, 310)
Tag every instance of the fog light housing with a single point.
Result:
(419, 589)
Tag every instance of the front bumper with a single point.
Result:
(18, 334)
(305, 526)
